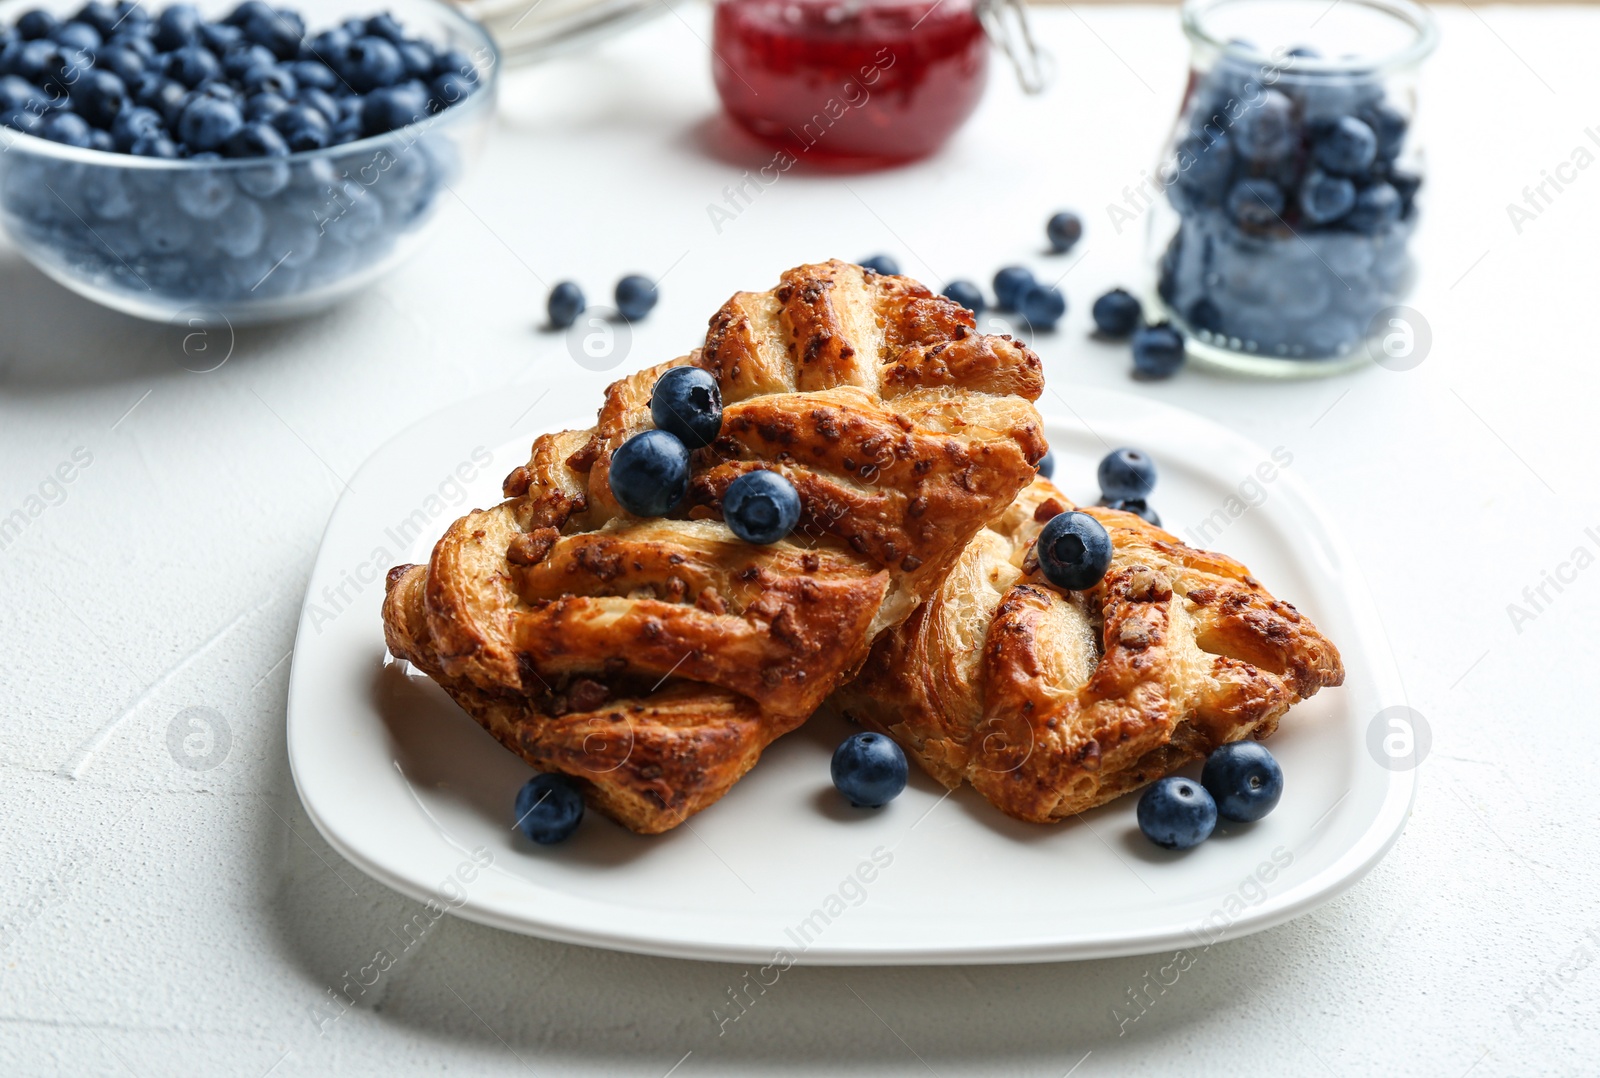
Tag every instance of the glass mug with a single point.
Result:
(1281, 236)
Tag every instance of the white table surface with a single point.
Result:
(158, 920)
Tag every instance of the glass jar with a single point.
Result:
(1286, 200)
(860, 82)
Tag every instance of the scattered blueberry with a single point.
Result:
(883, 264)
(1177, 813)
(1244, 780)
(1064, 230)
(549, 808)
(1117, 314)
(1047, 464)
(565, 304)
(687, 403)
(1042, 305)
(1009, 284)
(967, 294)
(761, 507)
(869, 769)
(1126, 473)
(649, 473)
(635, 297)
(1158, 352)
(1074, 551)
(1137, 506)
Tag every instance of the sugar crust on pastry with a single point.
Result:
(654, 659)
(1050, 702)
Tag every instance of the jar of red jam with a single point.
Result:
(864, 82)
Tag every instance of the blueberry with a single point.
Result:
(1064, 230)
(203, 193)
(1325, 198)
(1074, 551)
(687, 403)
(1117, 314)
(1204, 314)
(267, 179)
(320, 100)
(22, 120)
(417, 57)
(649, 473)
(1126, 473)
(246, 11)
(219, 37)
(1042, 305)
(1266, 131)
(192, 65)
(98, 97)
(761, 507)
(1377, 207)
(272, 79)
(883, 264)
(330, 47)
(207, 123)
(278, 32)
(565, 304)
(100, 15)
(549, 808)
(1177, 813)
(164, 230)
(371, 63)
(154, 145)
(455, 62)
(166, 97)
(67, 128)
(17, 92)
(1137, 506)
(394, 107)
(303, 128)
(1047, 464)
(34, 25)
(243, 58)
(256, 140)
(1346, 147)
(264, 108)
(314, 75)
(101, 140)
(36, 61)
(869, 769)
(1406, 184)
(387, 26)
(77, 35)
(449, 88)
(1158, 352)
(635, 297)
(967, 294)
(1244, 780)
(1009, 284)
(176, 27)
(1389, 127)
(1256, 203)
(122, 62)
(238, 233)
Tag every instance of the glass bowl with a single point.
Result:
(248, 239)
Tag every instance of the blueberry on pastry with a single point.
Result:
(1050, 701)
(653, 657)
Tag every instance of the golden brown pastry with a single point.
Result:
(653, 659)
(1051, 702)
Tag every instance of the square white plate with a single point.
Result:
(408, 788)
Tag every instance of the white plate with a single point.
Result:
(411, 790)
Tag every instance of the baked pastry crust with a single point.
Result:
(1051, 702)
(653, 659)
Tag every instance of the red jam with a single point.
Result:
(868, 81)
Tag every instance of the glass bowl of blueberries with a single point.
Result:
(1287, 198)
(234, 160)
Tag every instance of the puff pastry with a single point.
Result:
(1051, 702)
(653, 660)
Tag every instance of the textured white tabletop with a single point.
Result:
(156, 919)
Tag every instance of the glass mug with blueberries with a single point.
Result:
(1289, 193)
